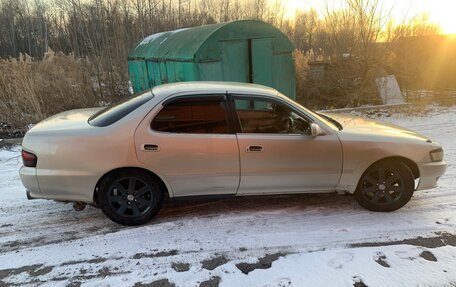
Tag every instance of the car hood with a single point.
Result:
(69, 120)
(362, 126)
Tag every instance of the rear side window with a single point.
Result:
(196, 115)
(116, 112)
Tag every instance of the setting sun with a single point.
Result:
(440, 12)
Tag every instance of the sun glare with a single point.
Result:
(440, 12)
(292, 6)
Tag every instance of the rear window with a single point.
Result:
(112, 114)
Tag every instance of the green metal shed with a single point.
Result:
(248, 51)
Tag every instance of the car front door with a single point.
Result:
(277, 152)
(189, 143)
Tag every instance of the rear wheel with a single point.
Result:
(129, 197)
(385, 186)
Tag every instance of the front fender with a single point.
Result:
(359, 155)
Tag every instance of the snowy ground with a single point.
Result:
(309, 240)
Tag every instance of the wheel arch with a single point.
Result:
(408, 162)
(135, 169)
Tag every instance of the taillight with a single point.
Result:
(29, 159)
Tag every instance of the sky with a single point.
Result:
(441, 12)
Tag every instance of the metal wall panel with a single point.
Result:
(284, 76)
(262, 61)
(235, 60)
(210, 71)
(138, 75)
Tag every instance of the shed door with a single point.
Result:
(235, 60)
(248, 61)
(261, 57)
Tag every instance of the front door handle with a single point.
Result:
(254, 148)
(150, 147)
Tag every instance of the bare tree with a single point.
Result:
(360, 38)
(355, 32)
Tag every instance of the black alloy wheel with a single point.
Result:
(130, 197)
(386, 186)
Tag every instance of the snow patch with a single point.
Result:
(323, 240)
(155, 36)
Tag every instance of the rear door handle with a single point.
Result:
(151, 147)
(254, 148)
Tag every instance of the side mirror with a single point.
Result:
(315, 130)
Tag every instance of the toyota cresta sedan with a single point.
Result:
(220, 138)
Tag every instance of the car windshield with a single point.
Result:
(112, 114)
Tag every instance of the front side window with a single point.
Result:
(269, 116)
(195, 115)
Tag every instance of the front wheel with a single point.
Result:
(129, 197)
(385, 186)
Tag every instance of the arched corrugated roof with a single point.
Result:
(201, 43)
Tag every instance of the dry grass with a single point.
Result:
(33, 90)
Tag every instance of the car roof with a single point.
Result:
(206, 87)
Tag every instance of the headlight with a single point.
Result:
(436, 155)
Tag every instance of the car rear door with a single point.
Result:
(188, 141)
(277, 157)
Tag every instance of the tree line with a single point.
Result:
(359, 40)
(109, 28)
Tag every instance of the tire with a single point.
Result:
(130, 197)
(385, 186)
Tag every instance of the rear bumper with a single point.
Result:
(29, 195)
(77, 186)
(30, 182)
(430, 174)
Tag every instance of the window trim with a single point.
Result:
(172, 99)
(237, 121)
(148, 96)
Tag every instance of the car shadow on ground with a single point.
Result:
(207, 207)
(47, 222)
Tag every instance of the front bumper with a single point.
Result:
(430, 173)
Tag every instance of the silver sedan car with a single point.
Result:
(218, 138)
